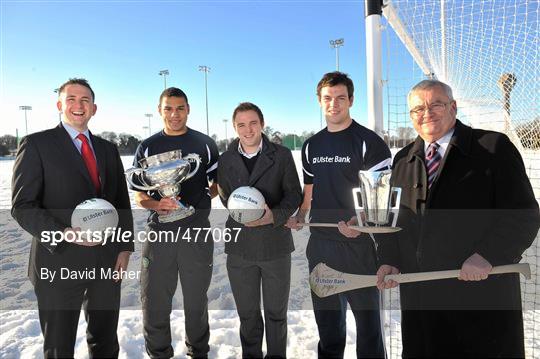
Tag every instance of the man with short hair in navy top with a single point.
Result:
(190, 259)
(331, 160)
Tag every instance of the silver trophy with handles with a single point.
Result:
(164, 173)
(377, 212)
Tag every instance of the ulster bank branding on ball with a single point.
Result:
(94, 214)
(246, 204)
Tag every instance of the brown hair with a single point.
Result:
(335, 78)
(248, 106)
(77, 81)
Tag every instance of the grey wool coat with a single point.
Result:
(275, 176)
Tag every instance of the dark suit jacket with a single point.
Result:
(481, 201)
(50, 179)
(275, 176)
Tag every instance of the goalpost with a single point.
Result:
(487, 51)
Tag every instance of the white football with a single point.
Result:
(95, 214)
(246, 204)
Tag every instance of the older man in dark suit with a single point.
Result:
(466, 203)
(54, 171)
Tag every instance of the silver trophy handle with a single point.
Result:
(138, 171)
(395, 208)
(360, 210)
(197, 160)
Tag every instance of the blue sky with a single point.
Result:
(269, 52)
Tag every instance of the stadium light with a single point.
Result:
(57, 91)
(164, 73)
(25, 109)
(226, 137)
(336, 44)
(149, 116)
(206, 70)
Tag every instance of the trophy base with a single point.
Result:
(176, 215)
(375, 230)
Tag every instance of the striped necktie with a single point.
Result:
(433, 161)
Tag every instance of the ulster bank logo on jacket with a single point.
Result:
(331, 159)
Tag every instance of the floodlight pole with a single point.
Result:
(25, 109)
(57, 91)
(206, 70)
(336, 44)
(164, 73)
(373, 11)
(149, 116)
(226, 137)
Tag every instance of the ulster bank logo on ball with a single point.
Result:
(246, 204)
(94, 215)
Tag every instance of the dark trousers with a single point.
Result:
(162, 264)
(462, 334)
(60, 301)
(246, 278)
(356, 256)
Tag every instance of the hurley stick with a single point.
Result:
(365, 229)
(325, 281)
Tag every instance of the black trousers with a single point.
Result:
(60, 301)
(354, 256)
(247, 278)
(462, 334)
(163, 263)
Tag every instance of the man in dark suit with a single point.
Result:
(54, 171)
(466, 203)
(259, 260)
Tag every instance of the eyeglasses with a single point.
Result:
(436, 107)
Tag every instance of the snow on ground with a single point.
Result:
(20, 334)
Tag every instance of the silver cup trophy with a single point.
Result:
(164, 173)
(379, 200)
